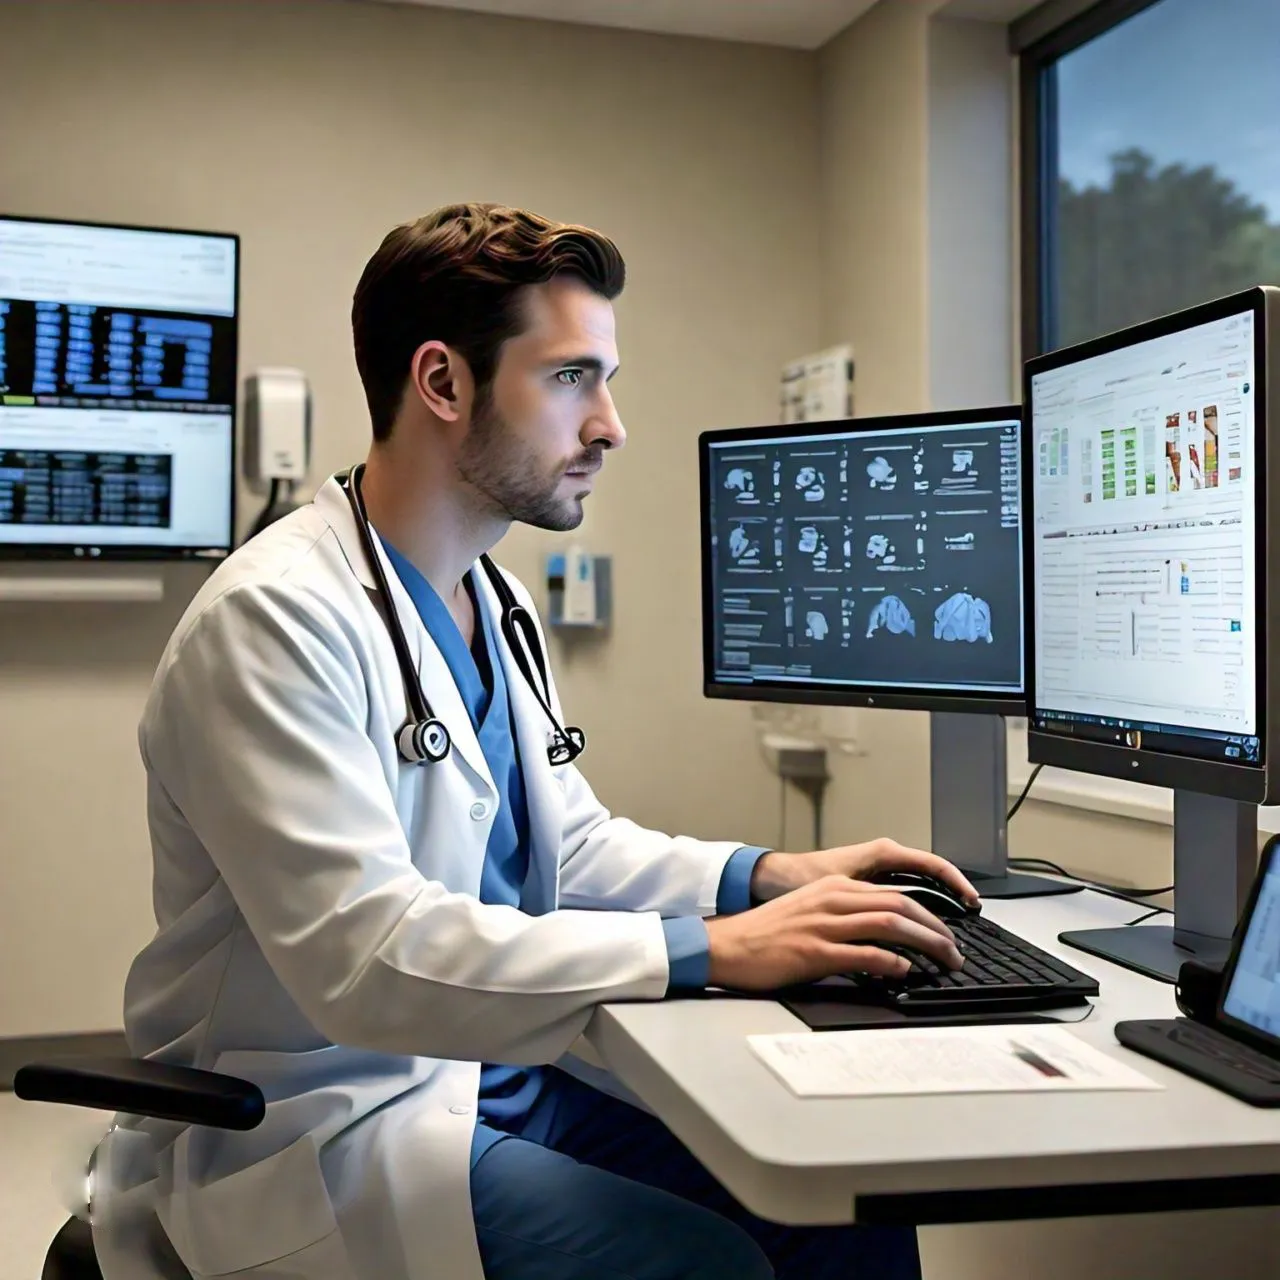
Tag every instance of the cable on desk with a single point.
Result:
(1017, 804)
(1122, 892)
(1155, 911)
(1071, 1022)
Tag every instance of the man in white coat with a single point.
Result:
(398, 952)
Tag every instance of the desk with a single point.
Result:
(977, 1158)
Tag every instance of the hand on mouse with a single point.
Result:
(779, 873)
(829, 926)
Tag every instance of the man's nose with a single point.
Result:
(605, 426)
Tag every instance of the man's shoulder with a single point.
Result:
(295, 569)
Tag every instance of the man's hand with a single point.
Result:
(830, 926)
(779, 873)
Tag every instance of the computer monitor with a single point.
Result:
(1152, 579)
(877, 562)
(117, 391)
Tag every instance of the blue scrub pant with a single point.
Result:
(595, 1189)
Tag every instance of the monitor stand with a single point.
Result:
(1215, 859)
(969, 797)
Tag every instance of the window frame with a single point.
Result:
(1038, 146)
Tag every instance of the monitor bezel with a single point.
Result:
(96, 553)
(921, 698)
(1248, 783)
(1243, 1031)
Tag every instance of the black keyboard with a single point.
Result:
(1000, 969)
(1208, 1055)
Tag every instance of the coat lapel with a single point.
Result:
(433, 672)
(543, 791)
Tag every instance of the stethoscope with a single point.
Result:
(423, 738)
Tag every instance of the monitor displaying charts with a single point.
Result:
(118, 378)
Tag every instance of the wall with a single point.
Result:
(875, 295)
(311, 128)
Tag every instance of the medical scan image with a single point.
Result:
(881, 474)
(742, 484)
(878, 548)
(744, 549)
(893, 616)
(811, 482)
(962, 617)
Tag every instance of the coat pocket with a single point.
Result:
(272, 1220)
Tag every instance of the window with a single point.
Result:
(1151, 163)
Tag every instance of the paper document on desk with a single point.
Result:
(998, 1059)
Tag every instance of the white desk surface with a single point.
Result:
(807, 1160)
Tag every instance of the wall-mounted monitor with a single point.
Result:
(118, 377)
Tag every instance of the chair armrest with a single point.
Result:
(142, 1088)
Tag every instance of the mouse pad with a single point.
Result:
(826, 1006)
(842, 1015)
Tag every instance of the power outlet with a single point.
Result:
(803, 764)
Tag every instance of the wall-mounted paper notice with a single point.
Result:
(818, 388)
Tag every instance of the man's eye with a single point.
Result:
(569, 377)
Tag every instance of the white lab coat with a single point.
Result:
(319, 924)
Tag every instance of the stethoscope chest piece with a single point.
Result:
(423, 742)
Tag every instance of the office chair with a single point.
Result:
(140, 1088)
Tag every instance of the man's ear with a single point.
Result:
(442, 380)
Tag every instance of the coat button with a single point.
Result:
(479, 811)
(459, 1111)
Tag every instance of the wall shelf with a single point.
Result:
(83, 588)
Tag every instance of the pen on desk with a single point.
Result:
(1033, 1059)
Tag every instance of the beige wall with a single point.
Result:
(311, 128)
(874, 295)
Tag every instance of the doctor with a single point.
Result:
(398, 951)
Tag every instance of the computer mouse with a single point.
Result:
(931, 893)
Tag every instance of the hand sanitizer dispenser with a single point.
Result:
(579, 589)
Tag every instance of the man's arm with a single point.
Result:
(612, 863)
(688, 944)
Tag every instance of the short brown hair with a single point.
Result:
(455, 276)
